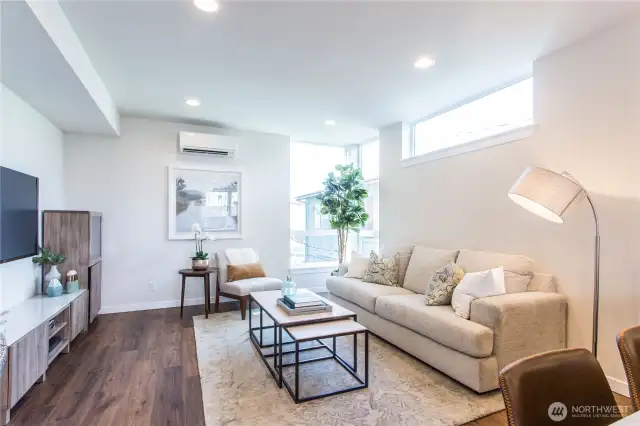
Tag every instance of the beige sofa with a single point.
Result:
(501, 329)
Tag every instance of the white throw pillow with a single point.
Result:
(357, 266)
(475, 285)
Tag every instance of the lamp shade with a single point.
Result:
(545, 193)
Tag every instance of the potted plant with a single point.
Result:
(343, 200)
(200, 261)
(52, 279)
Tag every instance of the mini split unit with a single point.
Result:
(206, 144)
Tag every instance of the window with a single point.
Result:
(499, 112)
(312, 239)
(313, 242)
(369, 155)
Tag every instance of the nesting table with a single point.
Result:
(301, 329)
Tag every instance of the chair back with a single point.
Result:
(629, 347)
(234, 256)
(565, 386)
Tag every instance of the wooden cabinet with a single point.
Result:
(78, 235)
(28, 361)
(79, 315)
(95, 284)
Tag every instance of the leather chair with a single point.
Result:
(239, 290)
(548, 388)
(629, 347)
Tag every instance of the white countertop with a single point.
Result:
(28, 315)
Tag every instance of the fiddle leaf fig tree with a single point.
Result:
(343, 201)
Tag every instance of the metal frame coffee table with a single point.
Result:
(301, 329)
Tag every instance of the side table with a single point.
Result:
(205, 274)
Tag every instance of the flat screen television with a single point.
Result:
(18, 215)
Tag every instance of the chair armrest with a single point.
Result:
(523, 324)
(342, 269)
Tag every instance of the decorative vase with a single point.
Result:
(72, 285)
(54, 288)
(199, 264)
(52, 274)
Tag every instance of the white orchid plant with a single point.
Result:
(199, 237)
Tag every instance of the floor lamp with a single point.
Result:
(549, 194)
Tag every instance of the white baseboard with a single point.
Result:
(618, 386)
(114, 309)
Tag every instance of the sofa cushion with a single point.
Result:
(361, 293)
(244, 287)
(404, 256)
(476, 261)
(518, 269)
(425, 261)
(439, 323)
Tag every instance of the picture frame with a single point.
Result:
(210, 197)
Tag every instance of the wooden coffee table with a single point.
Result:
(306, 328)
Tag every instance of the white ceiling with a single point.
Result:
(286, 67)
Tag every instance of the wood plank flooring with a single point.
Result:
(137, 369)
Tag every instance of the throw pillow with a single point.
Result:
(475, 285)
(244, 272)
(357, 266)
(404, 256)
(441, 285)
(382, 270)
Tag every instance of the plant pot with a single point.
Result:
(54, 288)
(199, 264)
(53, 274)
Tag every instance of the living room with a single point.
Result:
(101, 103)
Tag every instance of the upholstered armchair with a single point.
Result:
(240, 289)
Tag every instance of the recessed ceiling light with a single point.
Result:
(330, 122)
(192, 102)
(208, 6)
(423, 62)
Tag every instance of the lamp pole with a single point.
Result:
(596, 272)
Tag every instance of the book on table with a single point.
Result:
(303, 299)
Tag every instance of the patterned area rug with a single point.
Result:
(237, 388)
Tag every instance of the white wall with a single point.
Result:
(125, 178)
(30, 144)
(587, 100)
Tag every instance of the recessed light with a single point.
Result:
(208, 6)
(330, 122)
(423, 62)
(192, 102)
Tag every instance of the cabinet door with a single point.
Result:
(27, 362)
(95, 288)
(79, 314)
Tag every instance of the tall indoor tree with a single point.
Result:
(343, 201)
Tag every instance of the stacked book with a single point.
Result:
(303, 302)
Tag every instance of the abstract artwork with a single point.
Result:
(209, 198)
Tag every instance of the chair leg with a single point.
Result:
(216, 307)
(243, 306)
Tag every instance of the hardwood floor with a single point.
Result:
(136, 368)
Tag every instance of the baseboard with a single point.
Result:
(155, 305)
(618, 386)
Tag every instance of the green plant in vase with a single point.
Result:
(52, 279)
(343, 201)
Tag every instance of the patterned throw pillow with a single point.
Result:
(382, 270)
(442, 283)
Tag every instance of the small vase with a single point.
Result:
(199, 264)
(52, 274)
(54, 288)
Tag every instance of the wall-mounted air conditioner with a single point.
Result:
(206, 144)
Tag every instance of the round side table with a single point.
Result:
(205, 274)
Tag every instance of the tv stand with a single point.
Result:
(38, 331)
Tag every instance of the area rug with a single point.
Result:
(237, 388)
